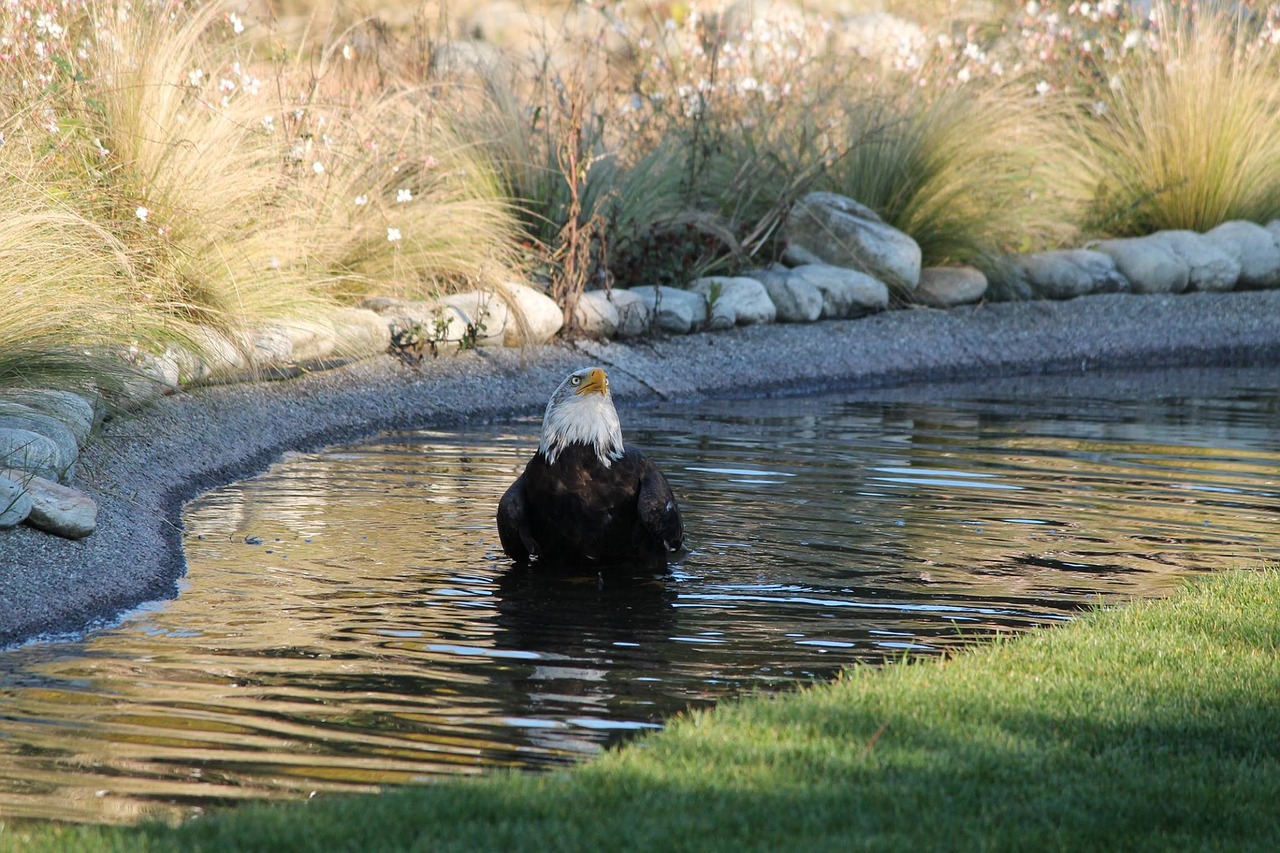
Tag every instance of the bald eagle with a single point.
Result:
(585, 499)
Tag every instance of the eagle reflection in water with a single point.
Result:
(586, 501)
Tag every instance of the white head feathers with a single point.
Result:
(581, 412)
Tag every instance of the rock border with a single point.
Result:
(846, 262)
(141, 467)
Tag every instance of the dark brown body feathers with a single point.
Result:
(577, 512)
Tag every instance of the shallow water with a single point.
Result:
(348, 621)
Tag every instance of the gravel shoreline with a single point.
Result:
(143, 467)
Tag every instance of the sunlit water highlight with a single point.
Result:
(348, 620)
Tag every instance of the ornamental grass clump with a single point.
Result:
(228, 189)
(970, 171)
(58, 326)
(1189, 135)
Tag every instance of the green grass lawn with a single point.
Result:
(1154, 726)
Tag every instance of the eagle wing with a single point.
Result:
(513, 523)
(659, 513)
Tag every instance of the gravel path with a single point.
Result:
(145, 466)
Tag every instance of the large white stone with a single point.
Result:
(634, 314)
(534, 317)
(1149, 265)
(674, 310)
(359, 332)
(15, 502)
(1066, 274)
(794, 299)
(56, 508)
(1274, 227)
(833, 229)
(946, 287)
(31, 452)
(473, 316)
(1254, 248)
(735, 301)
(845, 292)
(73, 410)
(210, 354)
(596, 314)
(1209, 267)
(272, 344)
(17, 416)
(477, 316)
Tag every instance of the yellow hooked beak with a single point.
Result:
(595, 382)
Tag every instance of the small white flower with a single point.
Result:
(45, 24)
(237, 25)
(362, 200)
(195, 76)
(317, 167)
(393, 235)
(403, 195)
(963, 75)
(225, 85)
(1043, 87)
(347, 52)
(142, 213)
(269, 122)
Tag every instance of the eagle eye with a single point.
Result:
(577, 380)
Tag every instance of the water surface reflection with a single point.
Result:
(348, 620)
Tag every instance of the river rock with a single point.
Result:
(537, 317)
(1274, 227)
(74, 411)
(1149, 265)
(473, 316)
(15, 502)
(735, 301)
(674, 310)
(845, 292)
(359, 332)
(214, 354)
(56, 508)
(17, 416)
(946, 287)
(148, 382)
(1068, 273)
(272, 344)
(1209, 267)
(1253, 247)
(447, 320)
(596, 314)
(828, 228)
(30, 451)
(634, 314)
(304, 341)
(795, 299)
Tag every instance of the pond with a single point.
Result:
(348, 620)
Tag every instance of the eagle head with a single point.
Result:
(581, 412)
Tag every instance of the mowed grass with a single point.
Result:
(1153, 726)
